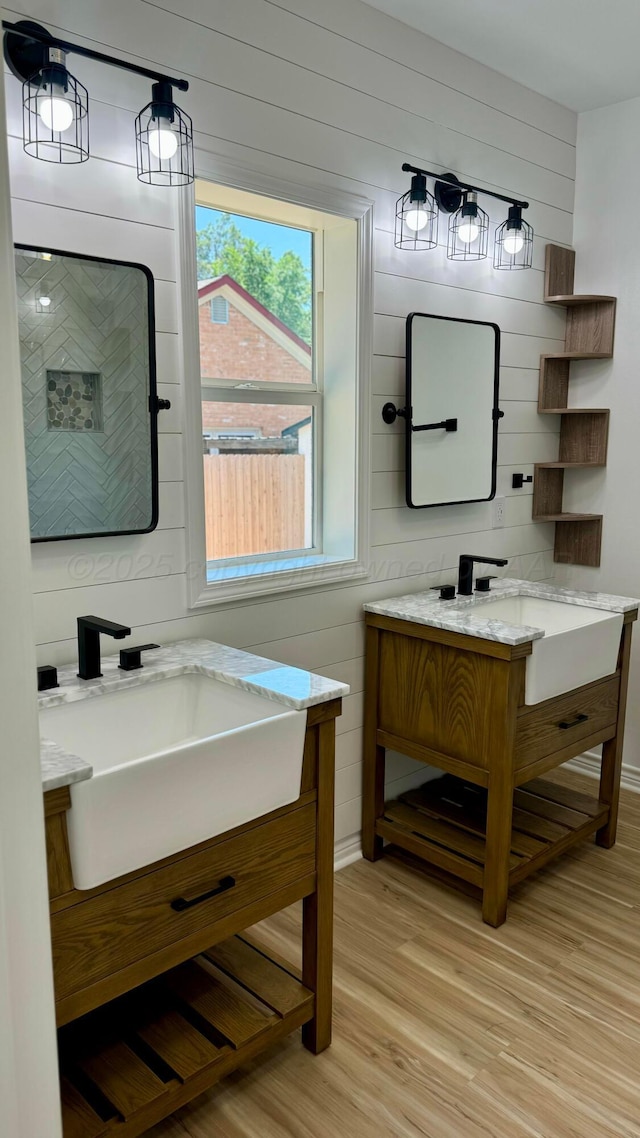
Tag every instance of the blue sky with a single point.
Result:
(279, 238)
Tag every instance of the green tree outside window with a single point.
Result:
(283, 285)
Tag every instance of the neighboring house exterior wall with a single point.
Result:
(270, 418)
(244, 350)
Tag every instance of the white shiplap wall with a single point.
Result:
(337, 95)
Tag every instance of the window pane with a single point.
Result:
(254, 298)
(258, 478)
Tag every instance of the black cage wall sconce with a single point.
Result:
(55, 107)
(417, 216)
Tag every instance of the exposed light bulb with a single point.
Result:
(163, 143)
(469, 230)
(513, 242)
(44, 301)
(55, 112)
(416, 218)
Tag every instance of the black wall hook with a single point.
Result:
(518, 480)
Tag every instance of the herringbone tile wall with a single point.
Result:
(86, 481)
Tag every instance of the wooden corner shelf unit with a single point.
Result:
(583, 431)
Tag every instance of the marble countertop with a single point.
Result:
(453, 616)
(292, 687)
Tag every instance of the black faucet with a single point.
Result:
(89, 629)
(465, 571)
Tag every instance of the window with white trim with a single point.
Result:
(281, 397)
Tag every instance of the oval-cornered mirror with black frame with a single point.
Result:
(451, 414)
(87, 347)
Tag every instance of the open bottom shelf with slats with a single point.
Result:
(134, 1061)
(444, 823)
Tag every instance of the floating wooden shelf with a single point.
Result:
(553, 389)
(578, 537)
(134, 1061)
(444, 823)
(575, 298)
(578, 540)
(567, 517)
(577, 355)
(584, 431)
(567, 465)
(573, 410)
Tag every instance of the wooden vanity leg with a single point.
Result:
(495, 892)
(373, 755)
(611, 768)
(317, 914)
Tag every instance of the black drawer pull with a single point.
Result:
(181, 903)
(566, 724)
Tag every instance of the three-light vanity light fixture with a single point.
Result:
(55, 107)
(417, 214)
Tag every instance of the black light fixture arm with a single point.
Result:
(34, 32)
(456, 184)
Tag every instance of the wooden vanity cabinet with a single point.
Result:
(160, 992)
(456, 702)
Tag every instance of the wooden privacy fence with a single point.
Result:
(254, 503)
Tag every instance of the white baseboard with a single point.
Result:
(589, 764)
(346, 851)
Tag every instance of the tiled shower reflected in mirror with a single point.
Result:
(86, 330)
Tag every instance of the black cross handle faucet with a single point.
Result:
(89, 629)
(465, 571)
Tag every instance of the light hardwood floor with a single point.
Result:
(447, 1028)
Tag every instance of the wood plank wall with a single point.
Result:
(335, 94)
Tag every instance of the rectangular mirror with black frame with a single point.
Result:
(452, 410)
(87, 347)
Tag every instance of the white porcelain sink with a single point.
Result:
(580, 644)
(175, 761)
